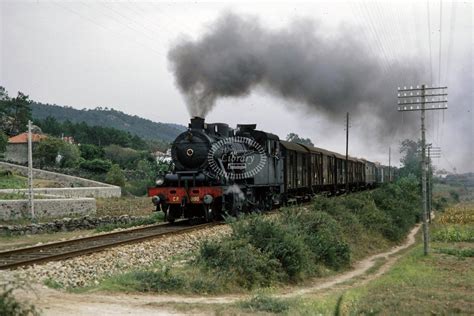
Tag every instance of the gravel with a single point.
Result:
(89, 269)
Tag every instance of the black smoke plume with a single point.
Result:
(329, 73)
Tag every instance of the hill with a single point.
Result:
(105, 117)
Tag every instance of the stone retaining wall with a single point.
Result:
(67, 224)
(44, 208)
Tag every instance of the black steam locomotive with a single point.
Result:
(219, 170)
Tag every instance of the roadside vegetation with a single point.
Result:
(10, 306)
(439, 284)
(288, 248)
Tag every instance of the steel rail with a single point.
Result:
(85, 245)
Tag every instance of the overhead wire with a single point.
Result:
(85, 17)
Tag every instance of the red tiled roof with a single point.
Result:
(23, 138)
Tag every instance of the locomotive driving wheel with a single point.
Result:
(173, 212)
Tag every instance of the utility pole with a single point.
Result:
(31, 199)
(416, 99)
(389, 164)
(433, 152)
(347, 152)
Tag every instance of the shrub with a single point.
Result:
(284, 244)
(322, 234)
(9, 306)
(115, 176)
(240, 261)
(96, 165)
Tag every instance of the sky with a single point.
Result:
(114, 54)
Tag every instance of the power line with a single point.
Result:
(82, 16)
(440, 38)
(429, 40)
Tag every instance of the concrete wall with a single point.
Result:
(71, 192)
(17, 209)
(66, 180)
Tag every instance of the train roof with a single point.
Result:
(294, 146)
(306, 148)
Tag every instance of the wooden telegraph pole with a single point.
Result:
(30, 174)
(347, 152)
(423, 99)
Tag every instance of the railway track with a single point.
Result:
(80, 246)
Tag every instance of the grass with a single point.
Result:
(13, 181)
(53, 284)
(262, 303)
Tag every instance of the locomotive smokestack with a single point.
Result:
(197, 123)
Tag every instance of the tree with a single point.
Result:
(3, 141)
(96, 165)
(70, 155)
(294, 138)
(90, 152)
(115, 176)
(14, 112)
(145, 170)
(46, 151)
(125, 157)
(411, 158)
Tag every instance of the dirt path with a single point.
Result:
(53, 302)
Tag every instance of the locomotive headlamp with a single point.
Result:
(207, 199)
(159, 181)
(189, 152)
(155, 200)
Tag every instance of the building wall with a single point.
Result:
(17, 153)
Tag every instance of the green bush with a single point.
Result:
(9, 306)
(115, 176)
(90, 152)
(280, 242)
(239, 260)
(323, 235)
(96, 165)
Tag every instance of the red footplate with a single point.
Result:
(174, 195)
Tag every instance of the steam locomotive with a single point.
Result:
(219, 170)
